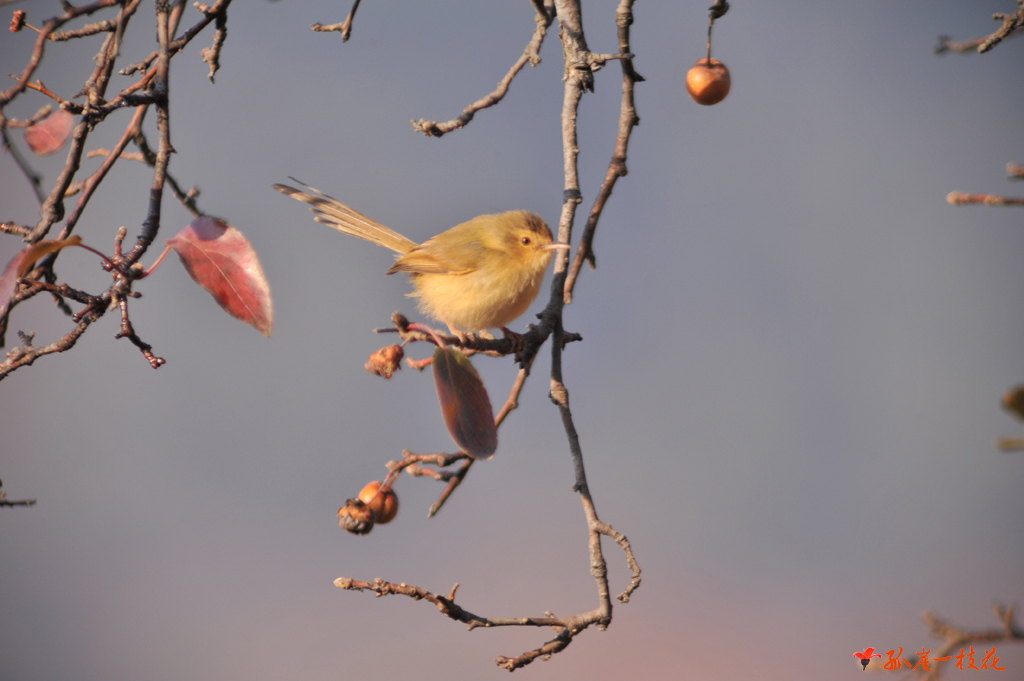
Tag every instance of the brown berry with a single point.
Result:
(386, 361)
(383, 502)
(356, 517)
(708, 83)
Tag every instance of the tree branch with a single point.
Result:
(530, 55)
(1012, 25)
(580, 65)
(150, 89)
(628, 119)
(956, 637)
(964, 199)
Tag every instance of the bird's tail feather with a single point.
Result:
(334, 213)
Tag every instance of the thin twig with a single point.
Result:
(35, 180)
(1012, 25)
(957, 637)
(211, 55)
(128, 331)
(345, 27)
(49, 27)
(4, 501)
(151, 225)
(94, 180)
(530, 55)
(179, 44)
(628, 120)
(187, 198)
(18, 502)
(94, 110)
(53, 208)
(964, 199)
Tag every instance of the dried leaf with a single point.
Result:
(221, 260)
(464, 403)
(24, 261)
(50, 134)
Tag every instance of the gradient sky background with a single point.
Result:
(787, 394)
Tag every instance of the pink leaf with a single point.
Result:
(221, 260)
(50, 134)
(21, 263)
(464, 403)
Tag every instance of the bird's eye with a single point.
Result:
(525, 241)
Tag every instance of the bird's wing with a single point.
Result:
(432, 258)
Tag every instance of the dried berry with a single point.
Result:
(356, 517)
(386, 361)
(384, 503)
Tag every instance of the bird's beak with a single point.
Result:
(557, 246)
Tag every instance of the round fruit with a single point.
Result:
(708, 82)
(355, 517)
(384, 504)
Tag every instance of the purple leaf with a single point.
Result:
(23, 262)
(464, 403)
(50, 134)
(221, 260)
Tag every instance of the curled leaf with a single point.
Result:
(24, 261)
(221, 260)
(465, 406)
(50, 134)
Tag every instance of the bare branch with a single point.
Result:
(209, 15)
(49, 27)
(35, 180)
(161, 88)
(128, 331)
(956, 637)
(345, 27)
(4, 501)
(211, 55)
(530, 55)
(628, 120)
(94, 180)
(963, 199)
(1012, 25)
(93, 111)
(25, 355)
(565, 628)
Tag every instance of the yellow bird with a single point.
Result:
(479, 275)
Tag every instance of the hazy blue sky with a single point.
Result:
(787, 394)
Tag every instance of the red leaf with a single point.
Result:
(50, 134)
(221, 260)
(23, 262)
(464, 403)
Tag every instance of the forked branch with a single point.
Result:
(956, 638)
(580, 65)
(530, 55)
